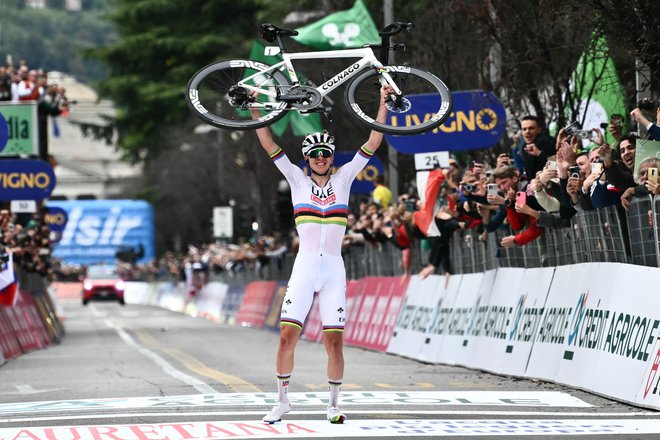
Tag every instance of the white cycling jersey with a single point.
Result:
(321, 217)
(321, 214)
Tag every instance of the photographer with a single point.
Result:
(638, 115)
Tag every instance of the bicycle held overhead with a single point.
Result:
(223, 93)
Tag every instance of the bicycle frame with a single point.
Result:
(366, 59)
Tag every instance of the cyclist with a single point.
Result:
(320, 204)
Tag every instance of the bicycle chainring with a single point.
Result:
(311, 100)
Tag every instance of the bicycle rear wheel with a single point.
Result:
(424, 105)
(214, 96)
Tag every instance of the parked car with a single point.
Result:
(102, 282)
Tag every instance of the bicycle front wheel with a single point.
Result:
(425, 102)
(213, 94)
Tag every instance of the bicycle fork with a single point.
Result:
(385, 79)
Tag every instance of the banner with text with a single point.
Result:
(477, 120)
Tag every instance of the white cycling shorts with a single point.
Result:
(312, 273)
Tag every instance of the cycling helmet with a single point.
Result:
(318, 139)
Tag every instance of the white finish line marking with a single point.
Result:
(352, 428)
(349, 398)
(350, 413)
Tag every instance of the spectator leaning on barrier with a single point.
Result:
(436, 222)
(647, 179)
(518, 211)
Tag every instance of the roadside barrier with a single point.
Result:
(30, 324)
(580, 325)
(593, 326)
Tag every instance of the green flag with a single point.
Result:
(300, 124)
(346, 29)
(595, 85)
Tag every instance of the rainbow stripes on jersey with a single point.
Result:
(334, 215)
(276, 154)
(365, 153)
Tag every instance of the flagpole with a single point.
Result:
(392, 154)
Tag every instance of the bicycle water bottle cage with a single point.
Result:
(270, 32)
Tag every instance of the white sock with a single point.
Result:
(283, 387)
(335, 387)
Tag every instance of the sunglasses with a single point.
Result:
(322, 152)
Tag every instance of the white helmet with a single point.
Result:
(318, 139)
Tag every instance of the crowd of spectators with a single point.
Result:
(27, 238)
(541, 183)
(22, 83)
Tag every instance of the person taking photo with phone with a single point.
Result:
(521, 209)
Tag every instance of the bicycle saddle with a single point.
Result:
(269, 32)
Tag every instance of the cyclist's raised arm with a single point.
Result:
(376, 137)
(264, 135)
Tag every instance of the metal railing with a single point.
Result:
(602, 235)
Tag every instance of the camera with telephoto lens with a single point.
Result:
(574, 129)
(648, 104)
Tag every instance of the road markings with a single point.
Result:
(351, 413)
(27, 389)
(234, 383)
(520, 399)
(381, 428)
(162, 363)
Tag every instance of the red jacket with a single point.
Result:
(517, 221)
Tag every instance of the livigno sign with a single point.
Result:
(22, 129)
(25, 179)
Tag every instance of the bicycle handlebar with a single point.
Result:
(395, 28)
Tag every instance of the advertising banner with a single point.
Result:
(273, 319)
(568, 292)
(313, 328)
(364, 181)
(21, 135)
(354, 295)
(55, 218)
(459, 322)
(613, 329)
(232, 303)
(372, 289)
(96, 230)
(506, 334)
(385, 311)
(208, 301)
(416, 315)
(448, 290)
(25, 179)
(256, 303)
(477, 120)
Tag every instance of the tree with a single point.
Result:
(162, 43)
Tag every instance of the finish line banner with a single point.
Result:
(477, 120)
